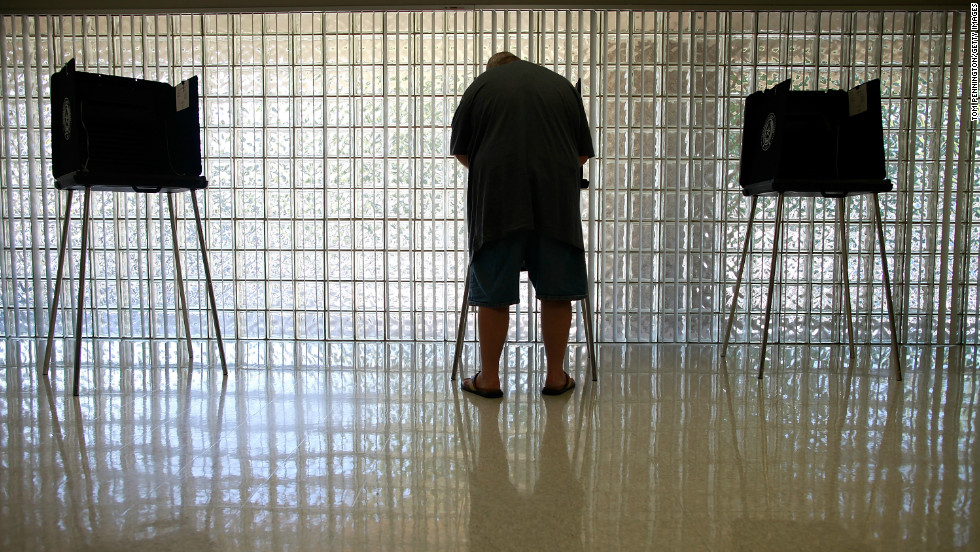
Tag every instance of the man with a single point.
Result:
(522, 132)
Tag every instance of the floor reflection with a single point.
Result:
(502, 517)
(675, 448)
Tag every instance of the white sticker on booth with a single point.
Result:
(183, 96)
(857, 100)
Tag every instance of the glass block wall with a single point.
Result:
(335, 214)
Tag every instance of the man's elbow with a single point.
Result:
(582, 159)
(463, 160)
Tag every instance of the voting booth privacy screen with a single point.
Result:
(813, 142)
(124, 134)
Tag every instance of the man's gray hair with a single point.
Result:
(501, 58)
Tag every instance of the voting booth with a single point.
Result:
(826, 144)
(118, 134)
(823, 143)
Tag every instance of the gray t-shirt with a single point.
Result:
(523, 128)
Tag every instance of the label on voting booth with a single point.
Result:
(183, 96)
(857, 100)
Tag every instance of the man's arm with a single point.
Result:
(581, 159)
(465, 161)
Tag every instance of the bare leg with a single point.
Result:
(556, 320)
(493, 323)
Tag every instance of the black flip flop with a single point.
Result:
(469, 385)
(569, 385)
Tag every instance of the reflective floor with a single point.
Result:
(675, 448)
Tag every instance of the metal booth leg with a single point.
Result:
(772, 283)
(182, 297)
(590, 332)
(461, 326)
(207, 276)
(888, 292)
(738, 279)
(81, 291)
(842, 217)
(57, 285)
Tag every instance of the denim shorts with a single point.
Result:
(555, 269)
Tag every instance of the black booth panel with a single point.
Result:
(862, 151)
(125, 127)
(113, 132)
(809, 135)
(812, 141)
(66, 153)
(185, 136)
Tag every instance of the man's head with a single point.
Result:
(501, 58)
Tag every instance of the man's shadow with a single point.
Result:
(503, 518)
